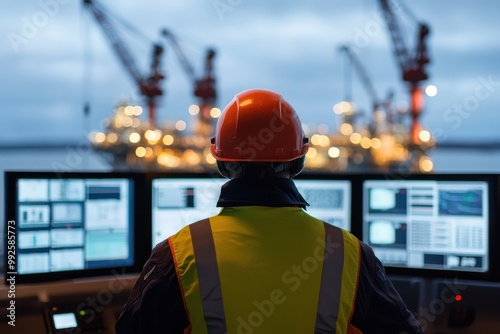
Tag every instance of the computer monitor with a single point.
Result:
(431, 222)
(181, 199)
(329, 198)
(69, 225)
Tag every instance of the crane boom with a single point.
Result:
(412, 65)
(204, 86)
(400, 49)
(149, 86)
(180, 54)
(362, 74)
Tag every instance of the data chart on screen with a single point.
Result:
(329, 200)
(428, 224)
(178, 202)
(69, 224)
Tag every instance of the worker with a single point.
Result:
(263, 264)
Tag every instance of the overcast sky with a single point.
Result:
(290, 47)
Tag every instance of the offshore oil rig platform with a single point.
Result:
(392, 140)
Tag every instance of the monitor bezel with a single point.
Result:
(493, 272)
(11, 194)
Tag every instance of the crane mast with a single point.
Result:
(149, 86)
(204, 87)
(412, 66)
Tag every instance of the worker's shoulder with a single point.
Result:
(202, 225)
(161, 246)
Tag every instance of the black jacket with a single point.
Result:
(156, 305)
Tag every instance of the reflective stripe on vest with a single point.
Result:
(205, 291)
(208, 274)
(331, 280)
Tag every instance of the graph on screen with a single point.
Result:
(427, 223)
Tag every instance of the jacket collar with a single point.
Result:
(271, 191)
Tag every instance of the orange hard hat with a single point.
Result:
(259, 125)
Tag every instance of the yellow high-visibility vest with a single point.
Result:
(266, 270)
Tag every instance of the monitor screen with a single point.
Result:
(329, 200)
(428, 224)
(70, 226)
(180, 201)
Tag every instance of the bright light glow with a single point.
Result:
(311, 153)
(168, 159)
(366, 142)
(162, 158)
(426, 164)
(100, 137)
(343, 107)
(194, 109)
(168, 140)
(149, 135)
(431, 90)
(210, 158)
(320, 140)
(137, 110)
(333, 152)
(127, 121)
(140, 152)
(424, 136)
(180, 125)
(315, 139)
(215, 112)
(118, 121)
(346, 129)
(134, 137)
(149, 152)
(337, 108)
(400, 152)
(191, 157)
(355, 138)
(325, 141)
(376, 143)
(129, 110)
(112, 137)
(458, 298)
(153, 135)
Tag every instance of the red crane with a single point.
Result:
(149, 85)
(204, 87)
(412, 64)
